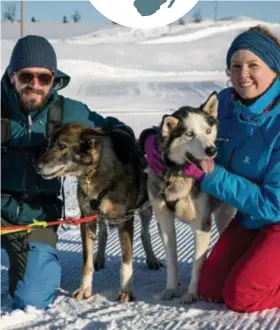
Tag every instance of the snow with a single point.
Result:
(137, 76)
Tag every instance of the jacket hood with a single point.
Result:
(61, 80)
(255, 114)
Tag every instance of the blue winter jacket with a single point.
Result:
(247, 171)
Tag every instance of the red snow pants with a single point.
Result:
(243, 269)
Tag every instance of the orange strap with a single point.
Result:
(44, 224)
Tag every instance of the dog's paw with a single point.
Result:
(169, 294)
(154, 263)
(82, 293)
(189, 298)
(123, 297)
(99, 264)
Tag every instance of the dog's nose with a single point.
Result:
(211, 151)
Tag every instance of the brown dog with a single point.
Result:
(105, 185)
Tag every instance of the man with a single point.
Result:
(28, 94)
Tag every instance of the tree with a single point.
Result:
(9, 13)
(197, 18)
(64, 19)
(76, 16)
(215, 10)
(33, 19)
(181, 21)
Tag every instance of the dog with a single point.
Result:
(187, 135)
(105, 185)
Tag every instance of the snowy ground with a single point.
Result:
(137, 76)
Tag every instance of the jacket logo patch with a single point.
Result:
(247, 160)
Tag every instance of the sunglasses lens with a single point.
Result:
(44, 79)
(25, 77)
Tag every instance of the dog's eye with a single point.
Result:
(208, 131)
(190, 134)
(61, 146)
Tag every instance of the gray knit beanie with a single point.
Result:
(32, 51)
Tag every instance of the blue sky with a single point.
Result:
(54, 10)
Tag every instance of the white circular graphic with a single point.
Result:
(143, 13)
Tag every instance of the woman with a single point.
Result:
(243, 269)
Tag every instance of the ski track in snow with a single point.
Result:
(203, 33)
(148, 312)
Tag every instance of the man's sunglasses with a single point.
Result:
(44, 79)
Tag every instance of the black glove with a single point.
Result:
(124, 143)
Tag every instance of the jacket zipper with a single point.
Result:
(24, 178)
(29, 126)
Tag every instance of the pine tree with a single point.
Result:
(181, 21)
(9, 13)
(76, 16)
(197, 17)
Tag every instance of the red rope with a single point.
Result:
(69, 221)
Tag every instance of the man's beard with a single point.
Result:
(31, 104)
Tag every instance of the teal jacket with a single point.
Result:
(247, 172)
(25, 195)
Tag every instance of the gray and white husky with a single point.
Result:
(187, 135)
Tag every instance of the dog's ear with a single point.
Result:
(168, 124)
(88, 138)
(211, 105)
(58, 128)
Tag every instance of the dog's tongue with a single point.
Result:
(207, 165)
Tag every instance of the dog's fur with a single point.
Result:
(88, 154)
(188, 134)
